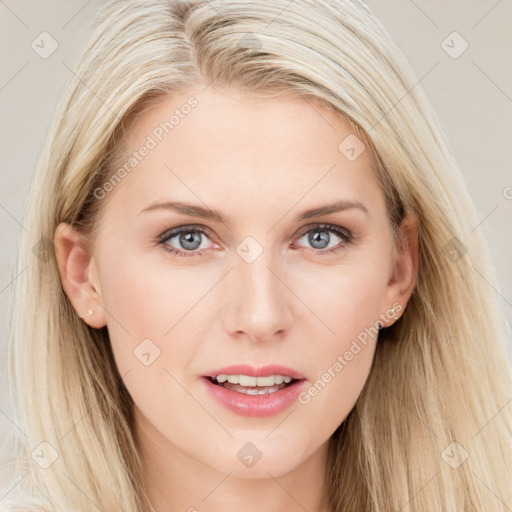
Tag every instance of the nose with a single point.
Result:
(258, 301)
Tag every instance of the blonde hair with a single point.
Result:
(441, 374)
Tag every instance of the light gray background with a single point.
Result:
(472, 95)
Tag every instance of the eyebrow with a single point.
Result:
(194, 210)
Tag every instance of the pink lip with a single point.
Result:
(256, 405)
(262, 371)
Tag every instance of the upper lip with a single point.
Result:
(260, 371)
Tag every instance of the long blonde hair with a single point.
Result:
(441, 378)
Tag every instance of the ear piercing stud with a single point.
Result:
(395, 316)
(90, 312)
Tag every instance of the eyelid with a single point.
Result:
(185, 227)
(324, 225)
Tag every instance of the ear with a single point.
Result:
(79, 275)
(405, 266)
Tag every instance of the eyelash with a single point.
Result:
(343, 233)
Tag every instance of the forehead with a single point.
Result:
(225, 145)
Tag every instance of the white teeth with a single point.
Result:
(265, 381)
(246, 380)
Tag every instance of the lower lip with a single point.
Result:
(255, 405)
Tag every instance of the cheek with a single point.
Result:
(156, 322)
(345, 299)
(349, 310)
(149, 300)
(342, 368)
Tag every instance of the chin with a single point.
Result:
(248, 461)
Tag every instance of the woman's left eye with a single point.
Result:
(320, 237)
(189, 239)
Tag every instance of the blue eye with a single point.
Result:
(190, 239)
(188, 236)
(320, 235)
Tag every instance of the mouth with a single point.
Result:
(249, 391)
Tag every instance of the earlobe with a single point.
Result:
(78, 276)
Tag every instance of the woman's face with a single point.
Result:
(256, 279)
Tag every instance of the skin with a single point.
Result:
(260, 162)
